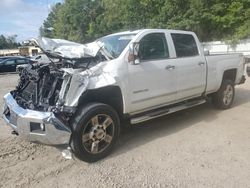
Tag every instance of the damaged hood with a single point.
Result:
(67, 49)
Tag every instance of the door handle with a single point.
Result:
(201, 63)
(170, 67)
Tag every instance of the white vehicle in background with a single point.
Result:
(134, 75)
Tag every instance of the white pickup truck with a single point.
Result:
(134, 75)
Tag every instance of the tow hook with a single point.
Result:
(14, 133)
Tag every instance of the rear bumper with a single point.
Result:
(35, 126)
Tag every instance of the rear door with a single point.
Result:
(191, 66)
(153, 81)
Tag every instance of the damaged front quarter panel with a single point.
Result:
(76, 82)
(85, 72)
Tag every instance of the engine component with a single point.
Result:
(38, 87)
(40, 84)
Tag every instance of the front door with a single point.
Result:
(153, 81)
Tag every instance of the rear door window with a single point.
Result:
(185, 45)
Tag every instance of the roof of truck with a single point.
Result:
(144, 30)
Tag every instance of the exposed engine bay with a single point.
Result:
(40, 84)
(38, 87)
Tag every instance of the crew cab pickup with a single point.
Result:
(81, 99)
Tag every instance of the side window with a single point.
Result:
(185, 45)
(10, 62)
(153, 46)
(21, 61)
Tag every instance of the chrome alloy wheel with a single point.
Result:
(228, 95)
(98, 133)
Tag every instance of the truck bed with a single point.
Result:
(218, 63)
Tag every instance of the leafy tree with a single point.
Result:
(47, 30)
(8, 42)
(86, 20)
(76, 20)
(3, 42)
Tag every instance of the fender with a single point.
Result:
(76, 83)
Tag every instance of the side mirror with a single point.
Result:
(133, 53)
(206, 52)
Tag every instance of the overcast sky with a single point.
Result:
(23, 17)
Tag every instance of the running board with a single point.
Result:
(165, 111)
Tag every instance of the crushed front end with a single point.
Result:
(47, 95)
(35, 126)
(31, 109)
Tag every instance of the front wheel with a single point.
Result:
(224, 97)
(96, 130)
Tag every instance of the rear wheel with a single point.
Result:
(96, 130)
(224, 97)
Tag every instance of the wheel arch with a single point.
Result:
(229, 74)
(110, 95)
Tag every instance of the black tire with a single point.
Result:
(85, 127)
(224, 97)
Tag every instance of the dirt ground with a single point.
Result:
(199, 147)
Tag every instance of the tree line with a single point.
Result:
(86, 20)
(8, 42)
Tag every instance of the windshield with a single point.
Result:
(115, 44)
